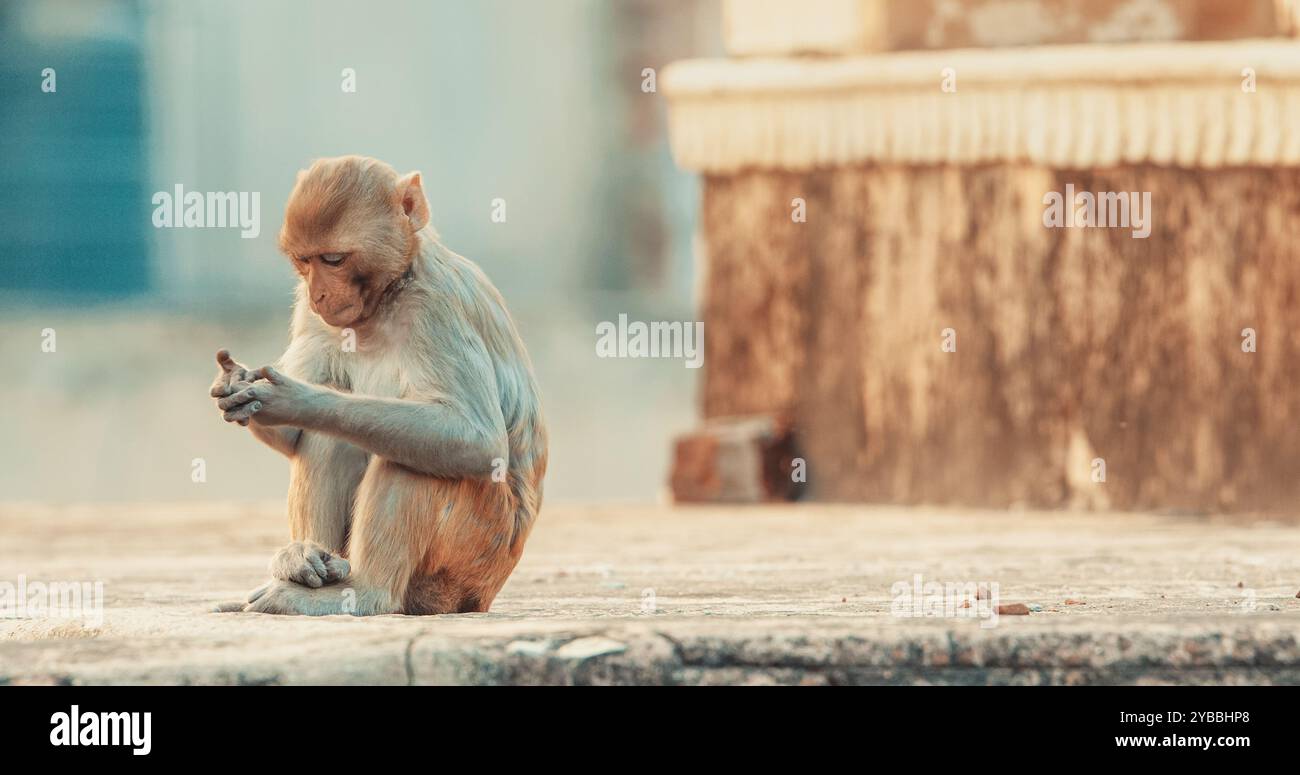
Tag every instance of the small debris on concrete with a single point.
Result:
(1072, 601)
(1036, 608)
(1013, 609)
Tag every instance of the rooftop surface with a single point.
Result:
(652, 594)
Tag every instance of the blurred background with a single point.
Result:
(539, 104)
(875, 175)
(544, 106)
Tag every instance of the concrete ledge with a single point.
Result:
(787, 595)
(672, 651)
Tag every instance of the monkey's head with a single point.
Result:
(350, 230)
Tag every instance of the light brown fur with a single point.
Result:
(393, 447)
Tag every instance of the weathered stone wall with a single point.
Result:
(1072, 344)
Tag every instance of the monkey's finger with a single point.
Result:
(271, 375)
(221, 385)
(308, 576)
(229, 379)
(226, 363)
(229, 405)
(241, 384)
(244, 396)
(225, 385)
(336, 569)
(317, 564)
(243, 413)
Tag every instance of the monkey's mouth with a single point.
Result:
(342, 316)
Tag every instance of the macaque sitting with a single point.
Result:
(405, 403)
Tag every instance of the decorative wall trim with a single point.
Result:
(1178, 104)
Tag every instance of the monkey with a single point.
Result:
(405, 402)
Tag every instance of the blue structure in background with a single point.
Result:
(73, 205)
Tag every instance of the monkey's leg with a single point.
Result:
(420, 545)
(323, 481)
(385, 542)
(395, 521)
(428, 545)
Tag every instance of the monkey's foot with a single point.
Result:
(288, 598)
(292, 599)
(308, 563)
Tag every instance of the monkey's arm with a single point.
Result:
(433, 438)
(443, 436)
(280, 438)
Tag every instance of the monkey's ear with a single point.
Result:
(414, 203)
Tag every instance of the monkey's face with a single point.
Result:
(350, 229)
(336, 291)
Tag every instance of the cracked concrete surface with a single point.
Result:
(648, 594)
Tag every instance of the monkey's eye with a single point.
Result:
(333, 259)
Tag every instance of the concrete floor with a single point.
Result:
(627, 594)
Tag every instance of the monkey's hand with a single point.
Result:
(273, 399)
(231, 378)
(308, 563)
